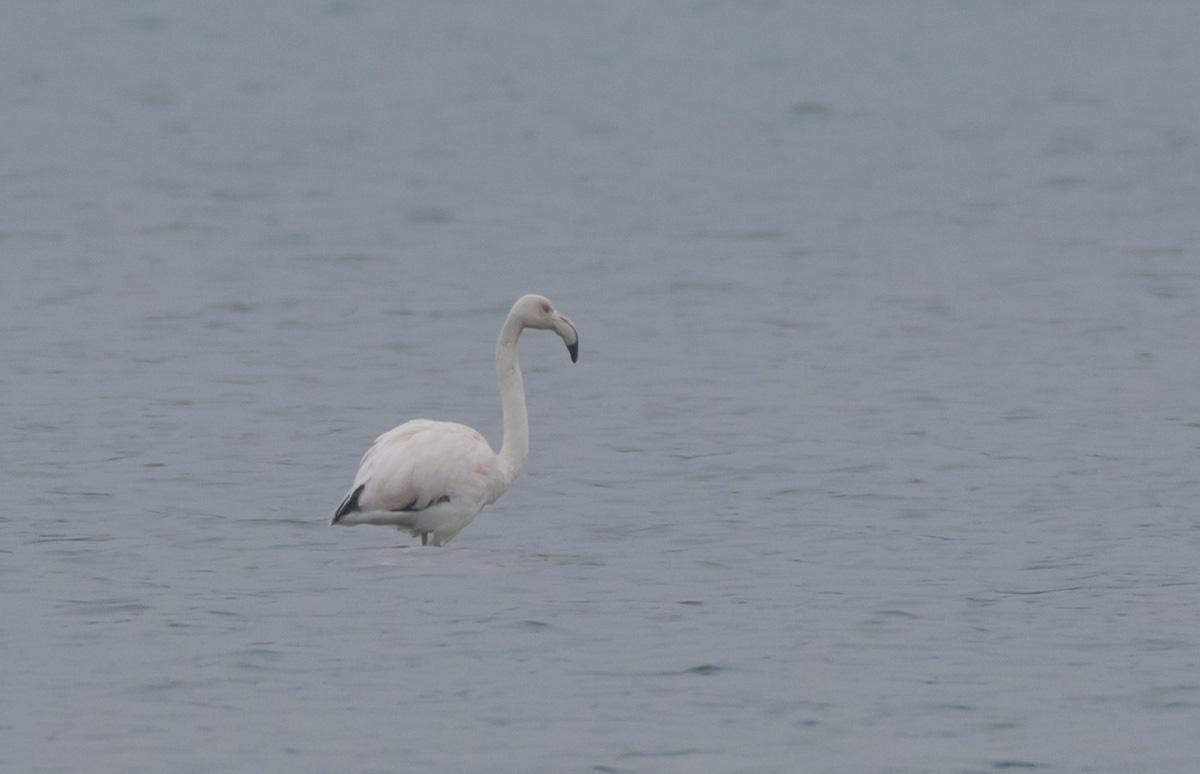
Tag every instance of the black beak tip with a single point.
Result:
(574, 350)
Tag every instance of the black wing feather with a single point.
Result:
(348, 505)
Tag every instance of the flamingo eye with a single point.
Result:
(545, 308)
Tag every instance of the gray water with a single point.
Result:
(881, 453)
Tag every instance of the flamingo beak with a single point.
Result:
(565, 328)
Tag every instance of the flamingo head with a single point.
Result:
(537, 312)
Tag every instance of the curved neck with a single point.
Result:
(515, 446)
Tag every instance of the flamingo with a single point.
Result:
(433, 478)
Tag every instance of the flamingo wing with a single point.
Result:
(420, 464)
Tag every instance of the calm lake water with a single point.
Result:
(882, 453)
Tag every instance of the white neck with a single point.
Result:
(515, 446)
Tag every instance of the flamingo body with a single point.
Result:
(433, 477)
(423, 476)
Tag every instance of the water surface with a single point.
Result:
(881, 453)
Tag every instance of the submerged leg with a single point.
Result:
(424, 538)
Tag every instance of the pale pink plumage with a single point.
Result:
(425, 476)
(434, 477)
